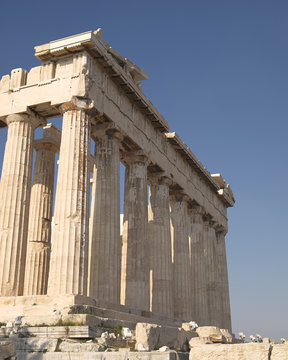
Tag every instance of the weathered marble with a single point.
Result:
(160, 252)
(212, 288)
(15, 200)
(105, 241)
(40, 215)
(69, 256)
(197, 264)
(180, 257)
(135, 261)
(224, 319)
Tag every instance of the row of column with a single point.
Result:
(172, 259)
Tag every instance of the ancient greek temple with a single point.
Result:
(170, 260)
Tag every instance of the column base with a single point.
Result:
(75, 310)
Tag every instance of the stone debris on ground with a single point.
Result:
(212, 332)
(178, 343)
(153, 337)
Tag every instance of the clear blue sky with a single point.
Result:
(218, 74)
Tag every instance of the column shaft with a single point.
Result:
(205, 266)
(135, 266)
(211, 282)
(14, 203)
(212, 285)
(159, 238)
(105, 245)
(180, 258)
(40, 215)
(69, 260)
(199, 308)
(223, 289)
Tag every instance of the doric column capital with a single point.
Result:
(51, 139)
(159, 179)
(28, 117)
(196, 212)
(179, 196)
(136, 157)
(196, 209)
(208, 220)
(106, 130)
(207, 217)
(78, 104)
(220, 230)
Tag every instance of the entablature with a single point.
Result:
(212, 180)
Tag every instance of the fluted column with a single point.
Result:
(14, 201)
(180, 257)
(159, 239)
(197, 263)
(105, 244)
(135, 263)
(222, 274)
(211, 271)
(69, 256)
(40, 214)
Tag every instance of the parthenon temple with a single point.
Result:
(64, 246)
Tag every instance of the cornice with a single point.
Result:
(122, 71)
(224, 193)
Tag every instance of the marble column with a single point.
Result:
(15, 188)
(69, 255)
(197, 263)
(40, 214)
(222, 274)
(135, 262)
(159, 239)
(105, 244)
(211, 273)
(180, 257)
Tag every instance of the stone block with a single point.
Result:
(151, 337)
(146, 336)
(54, 332)
(197, 341)
(33, 77)
(102, 356)
(80, 346)
(34, 344)
(279, 352)
(18, 78)
(86, 332)
(5, 83)
(169, 337)
(212, 332)
(7, 349)
(47, 71)
(250, 351)
(117, 343)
